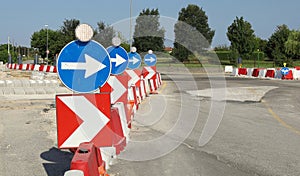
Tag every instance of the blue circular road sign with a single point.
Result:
(83, 66)
(284, 71)
(119, 59)
(150, 59)
(134, 60)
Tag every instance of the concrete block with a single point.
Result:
(25, 83)
(19, 91)
(62, 90)
(9, 83)
(2, 83)
(8, 91)
(17, 83)
(32, 83)
(29, 91)
(50, 90)
(40, 83)
(40, 90)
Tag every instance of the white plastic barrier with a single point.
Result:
(262, 73)
(296, 74)
(278, 74)
(235, 72)
(250, 72)
(228, 69)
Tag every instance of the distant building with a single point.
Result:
(168, 49)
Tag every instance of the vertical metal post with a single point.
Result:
(47, 51)
(8, 50)
(130, 31)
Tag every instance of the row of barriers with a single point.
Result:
(270, 73)
(33, 67)
(96, 126)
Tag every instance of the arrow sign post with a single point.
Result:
(134, 60)
(83, 67)
(119, 59)
(150, 59)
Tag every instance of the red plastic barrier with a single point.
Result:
(289, 76)
(297, 67)
(88, 159)
(55, 69)
(20, 66)
(270, 74)
(255, 72)
(41, 68)
(242, 71)
(31, 67)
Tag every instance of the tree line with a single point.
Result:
(193, 36)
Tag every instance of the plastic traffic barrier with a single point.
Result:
(87, 160)
(242, 71)
(149, 73)
(270, 73)
(289, 76)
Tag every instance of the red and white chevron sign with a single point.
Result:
(117, 86)
(81, 118)
(135, 77)
(149, 72)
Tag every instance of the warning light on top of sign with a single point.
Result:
(84, 32)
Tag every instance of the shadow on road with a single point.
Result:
(58, 161)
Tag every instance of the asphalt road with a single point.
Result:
(258, 134)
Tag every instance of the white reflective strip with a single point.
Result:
(123, 119)
(74, 173)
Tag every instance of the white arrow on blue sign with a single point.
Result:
(150, 59)
(134, 60)
(83, 66)
(119, 59)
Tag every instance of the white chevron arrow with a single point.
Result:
(118, 89)
(91, 66)
(118, 60)
(93, 120)
(151, 59)
(151, 72)
(134, 60)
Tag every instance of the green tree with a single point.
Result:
(261, 44)
(148, 34)
(192, 32)
(104, 34)
(292, 45)
(68, 30)
(242, 38)
(55, 42)
(276, 45)
(3, 53)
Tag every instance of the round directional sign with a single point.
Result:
(118, 58)
(285, 71)
(83, 66)
(134, 60)
(150, 59)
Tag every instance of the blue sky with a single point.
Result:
(20, 19)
